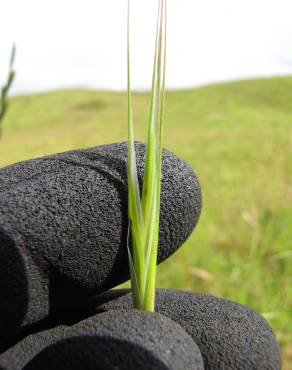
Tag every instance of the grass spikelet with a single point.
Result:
(144, 210)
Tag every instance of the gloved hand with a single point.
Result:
(63, 228)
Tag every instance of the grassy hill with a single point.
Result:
(238, 137)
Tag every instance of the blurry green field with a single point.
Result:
(238, 137)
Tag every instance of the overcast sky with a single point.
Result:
(81, 43)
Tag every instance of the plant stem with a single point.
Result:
(5, 89)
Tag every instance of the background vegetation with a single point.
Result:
(238, 137)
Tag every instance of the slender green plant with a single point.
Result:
(143, 211)
(5, 89)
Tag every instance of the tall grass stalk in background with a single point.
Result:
(5, 89)
(144, 211)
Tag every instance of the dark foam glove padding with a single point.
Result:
(229, 335)
(121, 339)
(63, 227)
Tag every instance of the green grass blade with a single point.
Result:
(137, 298)
(136, 253)
(151, 260)
(149, 168)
